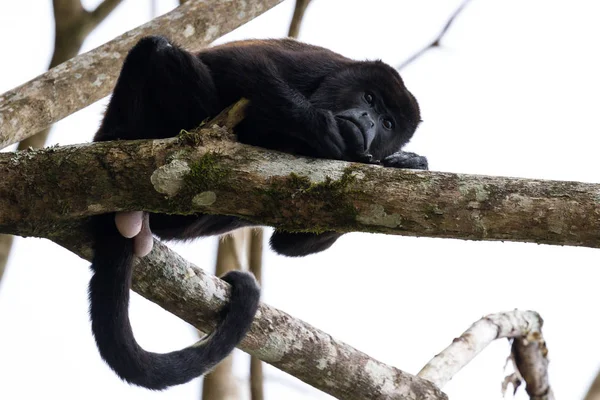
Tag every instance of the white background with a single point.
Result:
(513, 91)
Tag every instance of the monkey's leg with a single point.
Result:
(302, 244)
(161, 90)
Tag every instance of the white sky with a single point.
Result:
(514, 91)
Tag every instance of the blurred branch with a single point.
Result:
(594, 390)
(220, 383)
(438, 39)
(255, 254)
(5, 246)
(76, 83)
(529, 351)
(297, 18)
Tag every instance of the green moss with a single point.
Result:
(205, 174)
(193, 138)
(189, 138)
(295, 200)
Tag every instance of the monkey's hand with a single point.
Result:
(136, 225)
(336, 141)
(405, 159)
(327, 139)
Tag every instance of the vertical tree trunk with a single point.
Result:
(255, 253)
(220, 384)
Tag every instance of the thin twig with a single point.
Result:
(438, 39)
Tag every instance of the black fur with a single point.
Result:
(304, 100)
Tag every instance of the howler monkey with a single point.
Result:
(304, 100)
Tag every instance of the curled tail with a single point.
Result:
(109, 303)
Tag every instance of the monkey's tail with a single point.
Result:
(109, 303)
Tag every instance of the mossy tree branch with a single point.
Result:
(208, 172)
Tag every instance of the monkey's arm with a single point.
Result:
(276, 100)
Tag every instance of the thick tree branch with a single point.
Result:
(42, 188)
(88, 77)
(168, 280)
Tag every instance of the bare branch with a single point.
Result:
(529, 351)
(329, 365)
(299, 10)
(88, 77)
(438, 39)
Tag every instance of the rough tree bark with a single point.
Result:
(88, 77)
(41, 188)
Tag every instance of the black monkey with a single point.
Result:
(304, 100)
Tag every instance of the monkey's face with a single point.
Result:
(371, 104)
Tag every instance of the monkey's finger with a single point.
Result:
(353, 140)
(334, 147)
(143, 242)
(129, 223)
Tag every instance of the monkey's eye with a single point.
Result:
(368, 98)
(387, 124)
